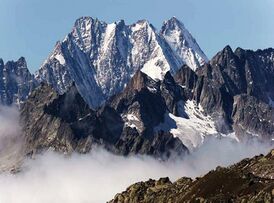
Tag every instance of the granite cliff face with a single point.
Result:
(251, 180)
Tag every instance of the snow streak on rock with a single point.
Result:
(101, 58)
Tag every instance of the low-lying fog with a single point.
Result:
(96, 177)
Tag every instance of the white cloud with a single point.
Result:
(11, 143)
(98, 176)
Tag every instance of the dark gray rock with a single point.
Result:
(16, 82)
(65, 122)
(252, 116)
(229, 75)
(234, 89)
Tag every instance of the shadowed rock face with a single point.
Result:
(234, 89)
(148, 100)
(252, 115)
(15, 81)
(251, 180)
(238, 86)
(66, 123)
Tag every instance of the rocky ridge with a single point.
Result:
(236, 89)
(16, 82)
(101, 58)
(251, 180)
(181, 110)
(123, 126)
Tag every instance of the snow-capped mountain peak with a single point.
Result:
(183, 43)
(108, 55)
(83, 32)
(173, 22)
(57, 53)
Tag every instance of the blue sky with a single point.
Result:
(30, 28)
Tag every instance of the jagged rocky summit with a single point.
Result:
(231, 96)
(16, 82)
(236, 90)
(135, 72)
(156, 117)
(101, 58)
(124, 126)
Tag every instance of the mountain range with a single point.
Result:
(133, 90)
(158, 117)
(101, 58)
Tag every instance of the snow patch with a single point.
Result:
(110, 31)
(192, 127)
(60, 58)
(131, 120)
(156, 67)
(153, 71)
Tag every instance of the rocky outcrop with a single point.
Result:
(65, 122)
(236, 87)
(16, 82)
(251, 180)
(252, 116)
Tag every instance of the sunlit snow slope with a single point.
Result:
(101, 58)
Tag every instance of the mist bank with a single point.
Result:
(11, 141)
(99, 175)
